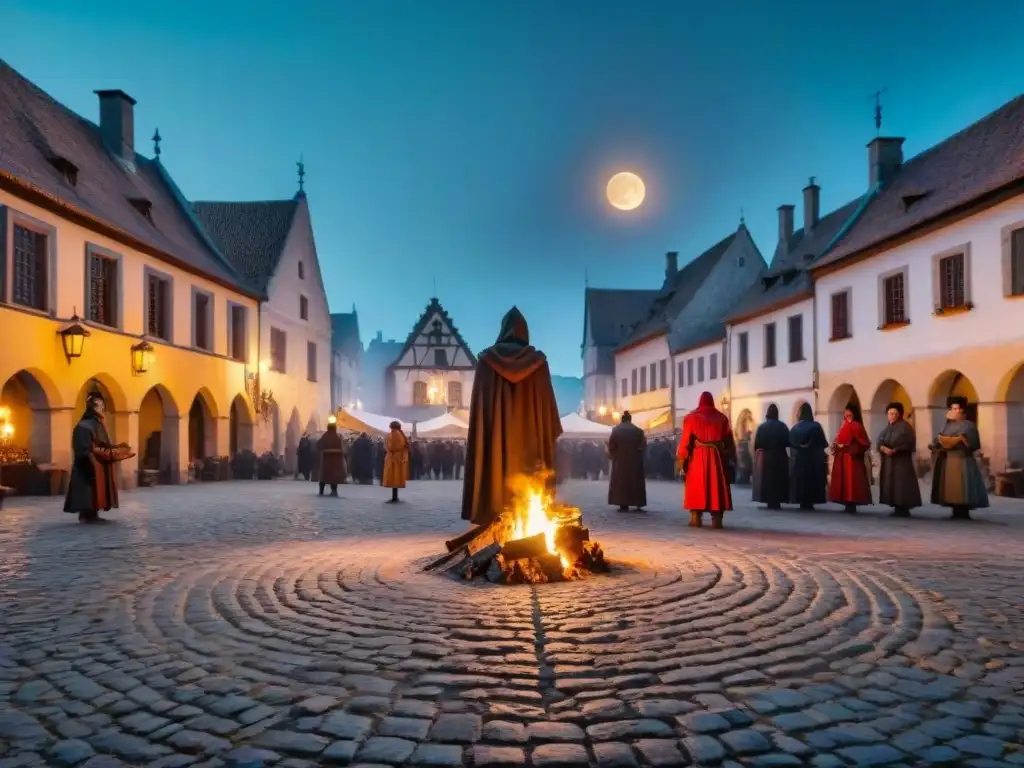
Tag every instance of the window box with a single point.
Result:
(950, 311)
(894, 326)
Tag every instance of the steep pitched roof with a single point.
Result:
(251, 234)
(787, 277)
(676, 294)
(983, 158)
(345, 333)
(434, 307)
(36, 131)
(612, 312)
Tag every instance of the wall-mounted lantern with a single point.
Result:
(142, 357)
(72, 337)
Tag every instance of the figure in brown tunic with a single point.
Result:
(897, 477)
(513, 421)
(627, 486)
(93, 486)
(331, 458)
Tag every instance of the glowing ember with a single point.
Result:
(533, 517)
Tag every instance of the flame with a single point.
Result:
(533, 517)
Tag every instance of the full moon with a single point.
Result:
(626, 191)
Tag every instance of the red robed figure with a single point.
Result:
(704, 450)
(850, 483)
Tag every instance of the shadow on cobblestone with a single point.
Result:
(232, 620)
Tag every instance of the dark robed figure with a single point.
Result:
(850, 484)
(956, 478)
(627, 486)
(93, 487)
(808, 464)
(330, 459)
(771, 461)
(897, 477)
(707, 454)
(513, 421)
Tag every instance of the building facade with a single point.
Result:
(272, 244)
(375, 380)
(346, 360)
(97, 236)
(923, 299)
(434, 370)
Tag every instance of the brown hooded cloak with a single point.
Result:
(513, 421)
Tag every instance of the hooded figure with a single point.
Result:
(93, 486)
(850, 484)
(707, 455)
(627, 486)
(513, 421)
(771, 462)
(808, 465)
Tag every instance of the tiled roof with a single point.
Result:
(787, 277)
(434, 307)
(612, 312)
(981, 159)
(35, 130)
(676, 294)
(345, 334)
(251, 234)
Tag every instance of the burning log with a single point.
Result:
(464, 538)
(570, 540)
(521, 549)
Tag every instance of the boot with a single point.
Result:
(696, 519)
(716, 520)
(851, 509)
(623, 509)
(901, 512)
(961, 513)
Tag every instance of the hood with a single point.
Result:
(772, 414)
(707, 400)
(512, 357)
(805, 413)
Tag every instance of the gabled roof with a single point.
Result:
(787, 278)
(982, 159)
(676, 294)
(434, 307)
(612, 312)
(345, 334)
(251, 234)
(36, 132)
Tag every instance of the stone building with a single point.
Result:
(373, 374)
(98, 237)
(271, 243)
(923, 297)
(346, 360)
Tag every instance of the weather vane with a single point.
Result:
(877, 98)
(302, 175)
(434, 278)
(742, 219)
(156, 143)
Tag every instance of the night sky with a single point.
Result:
(468, 142)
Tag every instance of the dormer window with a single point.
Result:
(911, 199)
(769, 281)
(789, 276)
(65, 168)
(143, 206)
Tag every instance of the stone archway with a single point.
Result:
(843, 396)
(744, 425)
(113, 400)
(159, 418)
(951, 383)
(1011, 396)
(888, 391)
(241, 426)
(291, 440)
(202, 428)
(28, 405)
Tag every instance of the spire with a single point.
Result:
(302, 177)
(434, 296)
(743, 221)
(156, 145)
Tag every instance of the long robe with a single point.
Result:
(513, 421)
(897, 477)
(396, 460)
(361, 460)
(627, 486)
(808, 463)
(706, 452)
(330, 458)
(850, 483)
(956, 478)
(771, 464)
(93, 485)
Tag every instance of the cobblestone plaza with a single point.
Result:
(227, 621)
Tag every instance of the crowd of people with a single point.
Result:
(581, 459)
(365, 457)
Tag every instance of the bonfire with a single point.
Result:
(535, 541)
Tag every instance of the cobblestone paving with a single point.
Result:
(212, 624)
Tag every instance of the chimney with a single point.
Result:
(671, 264)
(785, 224)
(812, 206)
(885, 156)
(117, 123)
(380, 336)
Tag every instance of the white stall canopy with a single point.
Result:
(363, 421)
(576, 427)
(444, 426)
